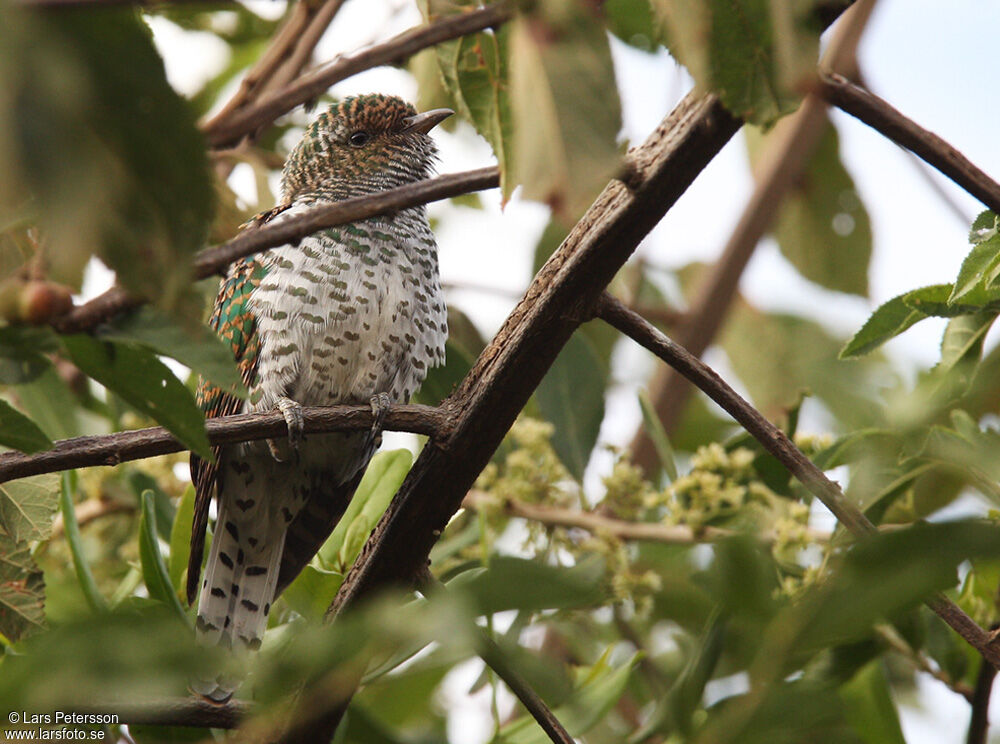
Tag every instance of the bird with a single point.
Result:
(351, 314)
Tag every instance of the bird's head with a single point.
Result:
(361, 145)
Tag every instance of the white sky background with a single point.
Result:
(934, 61)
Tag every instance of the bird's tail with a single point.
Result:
(236, 595)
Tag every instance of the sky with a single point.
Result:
(935, 61)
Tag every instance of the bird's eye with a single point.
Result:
(359, 139)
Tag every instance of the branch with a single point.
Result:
(214, 260)
(785, 158)
(112, 449)
(315, 83)
(187, 711)
(979, 721)
(778, 444)
(488, 650)
(90, 510)
(288, 51)
(563, 294)
(919, 660)
(886, 120)
(622, 529)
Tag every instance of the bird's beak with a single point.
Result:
(425, 122)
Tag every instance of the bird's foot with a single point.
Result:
(295, 421)
(380, 404)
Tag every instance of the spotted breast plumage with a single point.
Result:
(350, 314)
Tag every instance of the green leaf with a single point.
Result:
(754, 54)
(312, 591)
(379, 484)
(194, 345)
(474, 71)
(518, 584)
(658, 435)
(22, 591)
(934, 301)
(51, 404)
(144, 382)
(72, 531)
(108, 150)
(21, 349)
(566, 108)
(632, 22)
(822, 227)
(979, 266)
(571, 397)
(869, 708)
(984, 227)
(180, 538)
(27, 507)
(599, 688)
(154, 570)
(887, 322)
(20, 432)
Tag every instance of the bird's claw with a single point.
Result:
(380, 404)
(295, 422)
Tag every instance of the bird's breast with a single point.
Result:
(350, 312)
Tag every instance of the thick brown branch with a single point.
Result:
(214, 260)
(112, 449)
(778, 444)
(315, 83)
(782, 163)
(562, 296)
(886, 120)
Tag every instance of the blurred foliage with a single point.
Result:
(753, 626)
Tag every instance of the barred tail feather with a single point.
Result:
(236, 596)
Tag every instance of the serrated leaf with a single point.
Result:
(27, 507)
(474, 71)
(379, 484)
(978, 267)
(984, 227)
(144, 382)
(567, 114)
(888, 321)
(822, 227)
(22, 590)
(194, 346)
(154, 570)
(754, 54)
(571, 397)
(20, 432)
(934, 300)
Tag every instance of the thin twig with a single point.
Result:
(91, 510)
(189, 711)
(622, 529)
(214, 260)
(778, 444)
(313, 84)
(979, 721)
(488, 650)
(886, 120)
(113, 449)
(919, 659)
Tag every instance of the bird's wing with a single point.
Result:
(236, 325)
